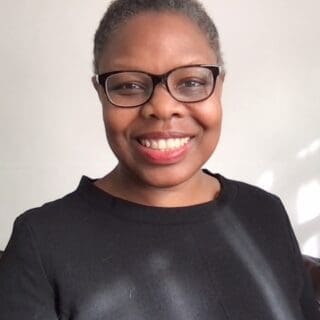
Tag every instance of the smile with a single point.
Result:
(164, 144)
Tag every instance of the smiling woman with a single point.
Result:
(158, 237)
(194, 123)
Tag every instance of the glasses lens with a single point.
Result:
(191, 84)
(128, 89)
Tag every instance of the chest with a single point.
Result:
(202, 271)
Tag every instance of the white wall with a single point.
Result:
(51, 130)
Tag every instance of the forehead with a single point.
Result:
(156, 40)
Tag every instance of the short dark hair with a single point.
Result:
(120, 11)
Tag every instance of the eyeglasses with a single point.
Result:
(129, 89)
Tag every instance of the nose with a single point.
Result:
(162, 105)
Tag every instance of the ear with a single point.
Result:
(95, 83)
(98, 88)
(222, 76)
(219, 85)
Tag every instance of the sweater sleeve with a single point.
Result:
(308, 302)
(25, 292)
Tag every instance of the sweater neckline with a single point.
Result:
(128, 210)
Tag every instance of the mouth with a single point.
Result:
(169, 144)
(164, 148)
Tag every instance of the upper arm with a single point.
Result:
(308, 302)
(25, 292)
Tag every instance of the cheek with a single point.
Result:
(211, 116)
(118, 122)
(114, 131)
(210, 119)
(211, 111)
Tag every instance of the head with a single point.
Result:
(163, 142)
(120, 12)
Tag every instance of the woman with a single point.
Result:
(157, 237)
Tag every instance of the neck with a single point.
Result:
(198, 189)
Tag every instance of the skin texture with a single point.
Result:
(170, 40)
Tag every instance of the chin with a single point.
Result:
(166, 177)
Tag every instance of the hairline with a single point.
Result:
(128, 18)
(110, 30)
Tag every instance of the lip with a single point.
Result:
(163, 157)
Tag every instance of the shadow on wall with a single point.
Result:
(300, 183)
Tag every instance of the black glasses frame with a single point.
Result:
(161, 78)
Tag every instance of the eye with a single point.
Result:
(126, 88)
(192, 83)
(130, 86)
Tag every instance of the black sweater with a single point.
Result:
(92, 256)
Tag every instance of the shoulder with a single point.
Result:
(236, 188)
(242, 196)
(248, 193)
(58, 216)
(62, 208)
(57, 227)
(255, 206)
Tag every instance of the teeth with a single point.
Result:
(164, 144)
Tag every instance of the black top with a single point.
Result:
(92, 256)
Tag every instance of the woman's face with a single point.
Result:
(162, 143)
